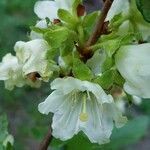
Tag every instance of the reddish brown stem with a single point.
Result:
(99, 26)
(46, 141)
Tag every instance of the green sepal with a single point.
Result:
(66, 16)
(89, 22)
(52, 53)
(117, 21)
(112, 45)
(108, 63)
(81, 70)
(108, 78)
(56, 37)
(39, 30)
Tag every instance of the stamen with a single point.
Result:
(84, 116)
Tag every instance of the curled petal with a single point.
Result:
(134, 65)
(32, 55)
(69, 84)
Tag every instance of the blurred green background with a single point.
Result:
(26, 124)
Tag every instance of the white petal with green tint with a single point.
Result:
(11, 72)
(64, 4)
(118, 6)
(32, 55)
(133, 62)
(81, 106)
(44, 9)
(68, 84)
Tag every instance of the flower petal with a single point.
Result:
(52, 103)
(66, 121)
(99, 126)
(69, 84)
(117, 7)
(134, 65)
(11, 72)
(28, 54)
(64, 4)
(45, 9)
(41, 24)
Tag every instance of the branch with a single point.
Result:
(46, 141)
(98, 31)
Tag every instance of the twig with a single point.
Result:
(46, 141)
(99, 26)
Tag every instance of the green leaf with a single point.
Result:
(3, 127)
(131, 133)
(81, 71)
(66, 16)
(111, 46)
(52, 53)
(5, 138)
(118, 79)
(79, 142)
(56, 37)
(144, 8)
(106, 80)
(108, 63)
(89, 22)
(67, 47)
(38, 30)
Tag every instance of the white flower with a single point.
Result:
(134, 19)
(133, 62)
(81, 106)
(49, 9)
(32, 55)
(11, 72)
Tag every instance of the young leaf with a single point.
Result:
(106, 80)
(111, 46)
(89, 22)
(65, 16)
(81, 71)
(108, 63)
(56, 37)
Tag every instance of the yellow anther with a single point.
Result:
(84, 117)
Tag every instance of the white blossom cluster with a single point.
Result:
(83, 97)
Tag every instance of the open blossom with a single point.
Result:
(134, 19)
(48, 9)
(11, 72)
(81, 106)
(32, 55)
(133, 62)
